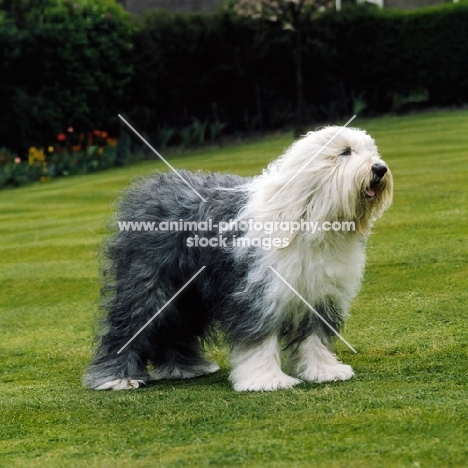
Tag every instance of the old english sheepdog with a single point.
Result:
(273, 261)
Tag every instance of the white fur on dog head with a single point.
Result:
(325, 176)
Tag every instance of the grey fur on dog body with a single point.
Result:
(237, 292)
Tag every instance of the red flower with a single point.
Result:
(97, 133)
(104, 134)
(61, 137)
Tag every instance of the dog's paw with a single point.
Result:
(121, 384)
(320, 374)
(266, 383)
(183, 372)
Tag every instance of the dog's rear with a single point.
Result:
(145, 265)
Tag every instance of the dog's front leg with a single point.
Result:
(257, 367)
(313, 361)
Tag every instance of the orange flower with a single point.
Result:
(97, 133)
(104, 134)
(61, 137)
(76, 148)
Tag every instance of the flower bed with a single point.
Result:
(71, 153)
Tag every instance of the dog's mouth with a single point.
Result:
(370, 192)
(374, 188)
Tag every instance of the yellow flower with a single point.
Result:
(50, 149)
(35, 155)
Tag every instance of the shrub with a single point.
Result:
(64, 61)
(15, 172)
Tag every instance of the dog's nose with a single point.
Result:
(379, 170)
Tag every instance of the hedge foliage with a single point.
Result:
(182, 78)
(209, 67)
(62, 63)
(387, 56)
(360, 58)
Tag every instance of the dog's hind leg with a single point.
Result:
(116, 372)
(178, 347)
(116, 366)
(126, 345)
(181, 360)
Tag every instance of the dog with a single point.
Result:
(242, 258)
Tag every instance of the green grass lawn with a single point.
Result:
(406, 407)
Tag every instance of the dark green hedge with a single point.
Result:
(207, 68)
(62, 63)
(362, 57)
(181, 78)
(387, 56)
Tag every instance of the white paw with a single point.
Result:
(322, 373)
(121, 384)
(265, 383)
(175, 373)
